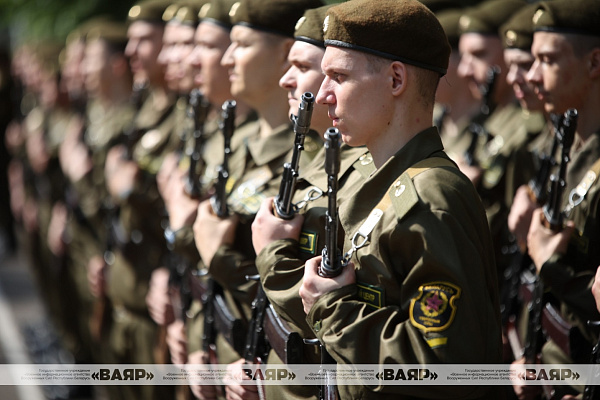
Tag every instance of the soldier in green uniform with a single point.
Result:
(107, 79)
(256, 59)
(565, 74)
(282, 246)
(485, 150)
(423, 288)
(517, 36)
(138, 246)
(455, 103)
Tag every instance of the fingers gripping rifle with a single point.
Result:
(476, 127)
(218, 200)
(283, 202)
(198, 111)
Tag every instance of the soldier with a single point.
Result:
(256, 59)
(282, 246)
(107, 80)
(455, 104)
(136, 244)
(485, 149)
(565, 73)
(428, 261)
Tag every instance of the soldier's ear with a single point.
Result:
(398, 74)
(594, 63)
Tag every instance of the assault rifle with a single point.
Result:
(131, 135)
(198, 111)
(553, 219)
(283, 202)
(476, 127)
(257, 347)
(218, 200)
(538, 192)
(332, 262)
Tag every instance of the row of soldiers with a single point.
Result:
(176, 214)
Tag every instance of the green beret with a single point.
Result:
(184, 12)
(401, 30)
(81, 31)
(568, 16)
(517, 32)
(217, 11)
(440, 5)
(449, 21)
(149, 10)
(112, 32)
(486, 18)
(274, 16)
(309, 27)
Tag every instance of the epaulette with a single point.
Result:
(364, 165)
(402, 193)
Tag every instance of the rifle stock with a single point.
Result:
(283, 201)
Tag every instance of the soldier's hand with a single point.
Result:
(97, 269)
(182, 209)
(202, 392)
(542, 242)
(267, 228)
(211, 232)
(596, 289)
(523, 391)
(158, 299)
(519, 218)
(121, 174)
(236, 391)
(56, 229)
(314, 286)
(165, 172)
(177, 342)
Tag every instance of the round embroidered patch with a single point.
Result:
(434, 308)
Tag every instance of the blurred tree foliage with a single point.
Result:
(52, 19)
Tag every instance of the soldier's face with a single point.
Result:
(305, 75)
(255, 60)
(478, 54)
(558, 75)
(518, 63)
(357, 96)
(143, 46)
(209, 75)
(95, 67)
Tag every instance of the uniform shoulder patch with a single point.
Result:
(370, 294)
(434, 308)
(403, 195)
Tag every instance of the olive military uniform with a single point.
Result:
(432, 243)
(281, 263)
